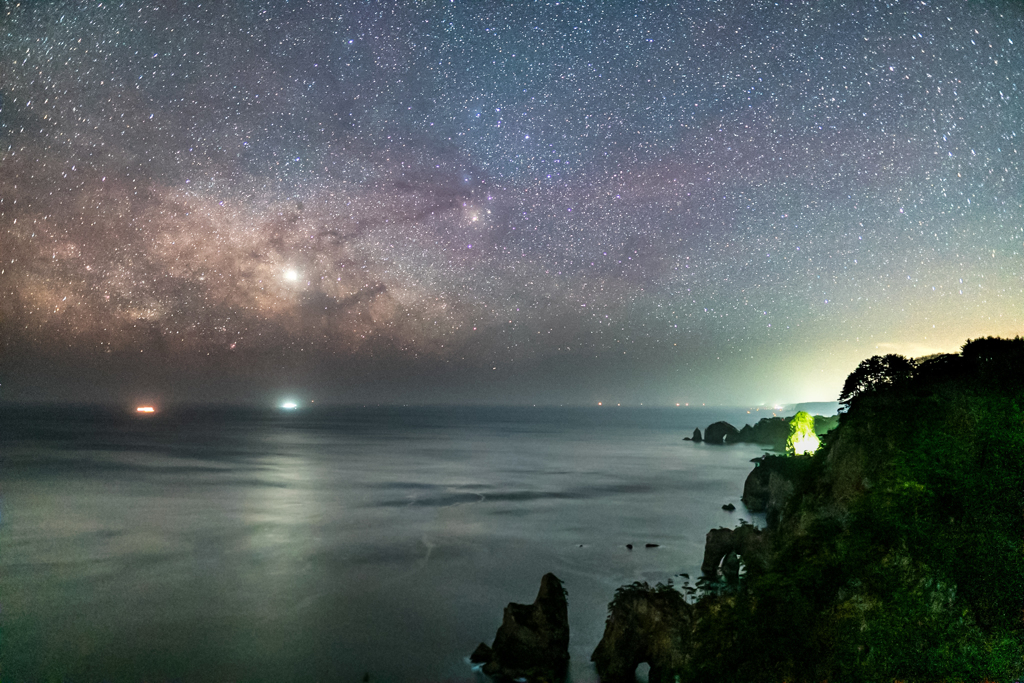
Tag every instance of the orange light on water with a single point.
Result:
(145, 409)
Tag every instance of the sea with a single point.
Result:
(336, 544)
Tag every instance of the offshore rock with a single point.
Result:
(731, 568)
(770, 431)
(532, 642)
(482, 654)
(696, 438)
(744, 541)
(644, 624)
(721, 432)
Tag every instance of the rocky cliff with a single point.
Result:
(895, 553)
(532, 642)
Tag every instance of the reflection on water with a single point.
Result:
(236, 545)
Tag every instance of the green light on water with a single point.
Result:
(802, 438)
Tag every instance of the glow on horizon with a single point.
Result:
(289, 405)
(145, 409)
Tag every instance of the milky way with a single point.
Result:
(479, 201)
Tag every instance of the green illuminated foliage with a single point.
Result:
(900, 554)
(802, 438)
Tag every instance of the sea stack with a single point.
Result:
(721, 432)
(644, 624)
(532, 642)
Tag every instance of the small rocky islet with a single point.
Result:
(884, 556)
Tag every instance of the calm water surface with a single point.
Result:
(251, 546)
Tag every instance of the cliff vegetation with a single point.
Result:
(897, 551)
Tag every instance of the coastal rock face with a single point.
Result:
(755, 488)
(744, 541)
(731, 567)
(780, 490)
(771, 484)
(895, 553)
(644, 624)
(770, 431)
(721, 432)
(532, 642)
(696, 436)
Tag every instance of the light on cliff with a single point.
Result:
(802, 438)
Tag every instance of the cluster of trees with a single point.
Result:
(900, 555)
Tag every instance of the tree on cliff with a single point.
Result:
(874, 373)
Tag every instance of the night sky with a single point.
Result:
(716, 201)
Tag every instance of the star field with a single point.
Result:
(527, 202)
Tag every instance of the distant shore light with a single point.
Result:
(145, 409)
(289, 405)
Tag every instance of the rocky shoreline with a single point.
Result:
(895, 552)
(645, 624)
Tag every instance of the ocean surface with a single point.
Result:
(341, 544)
